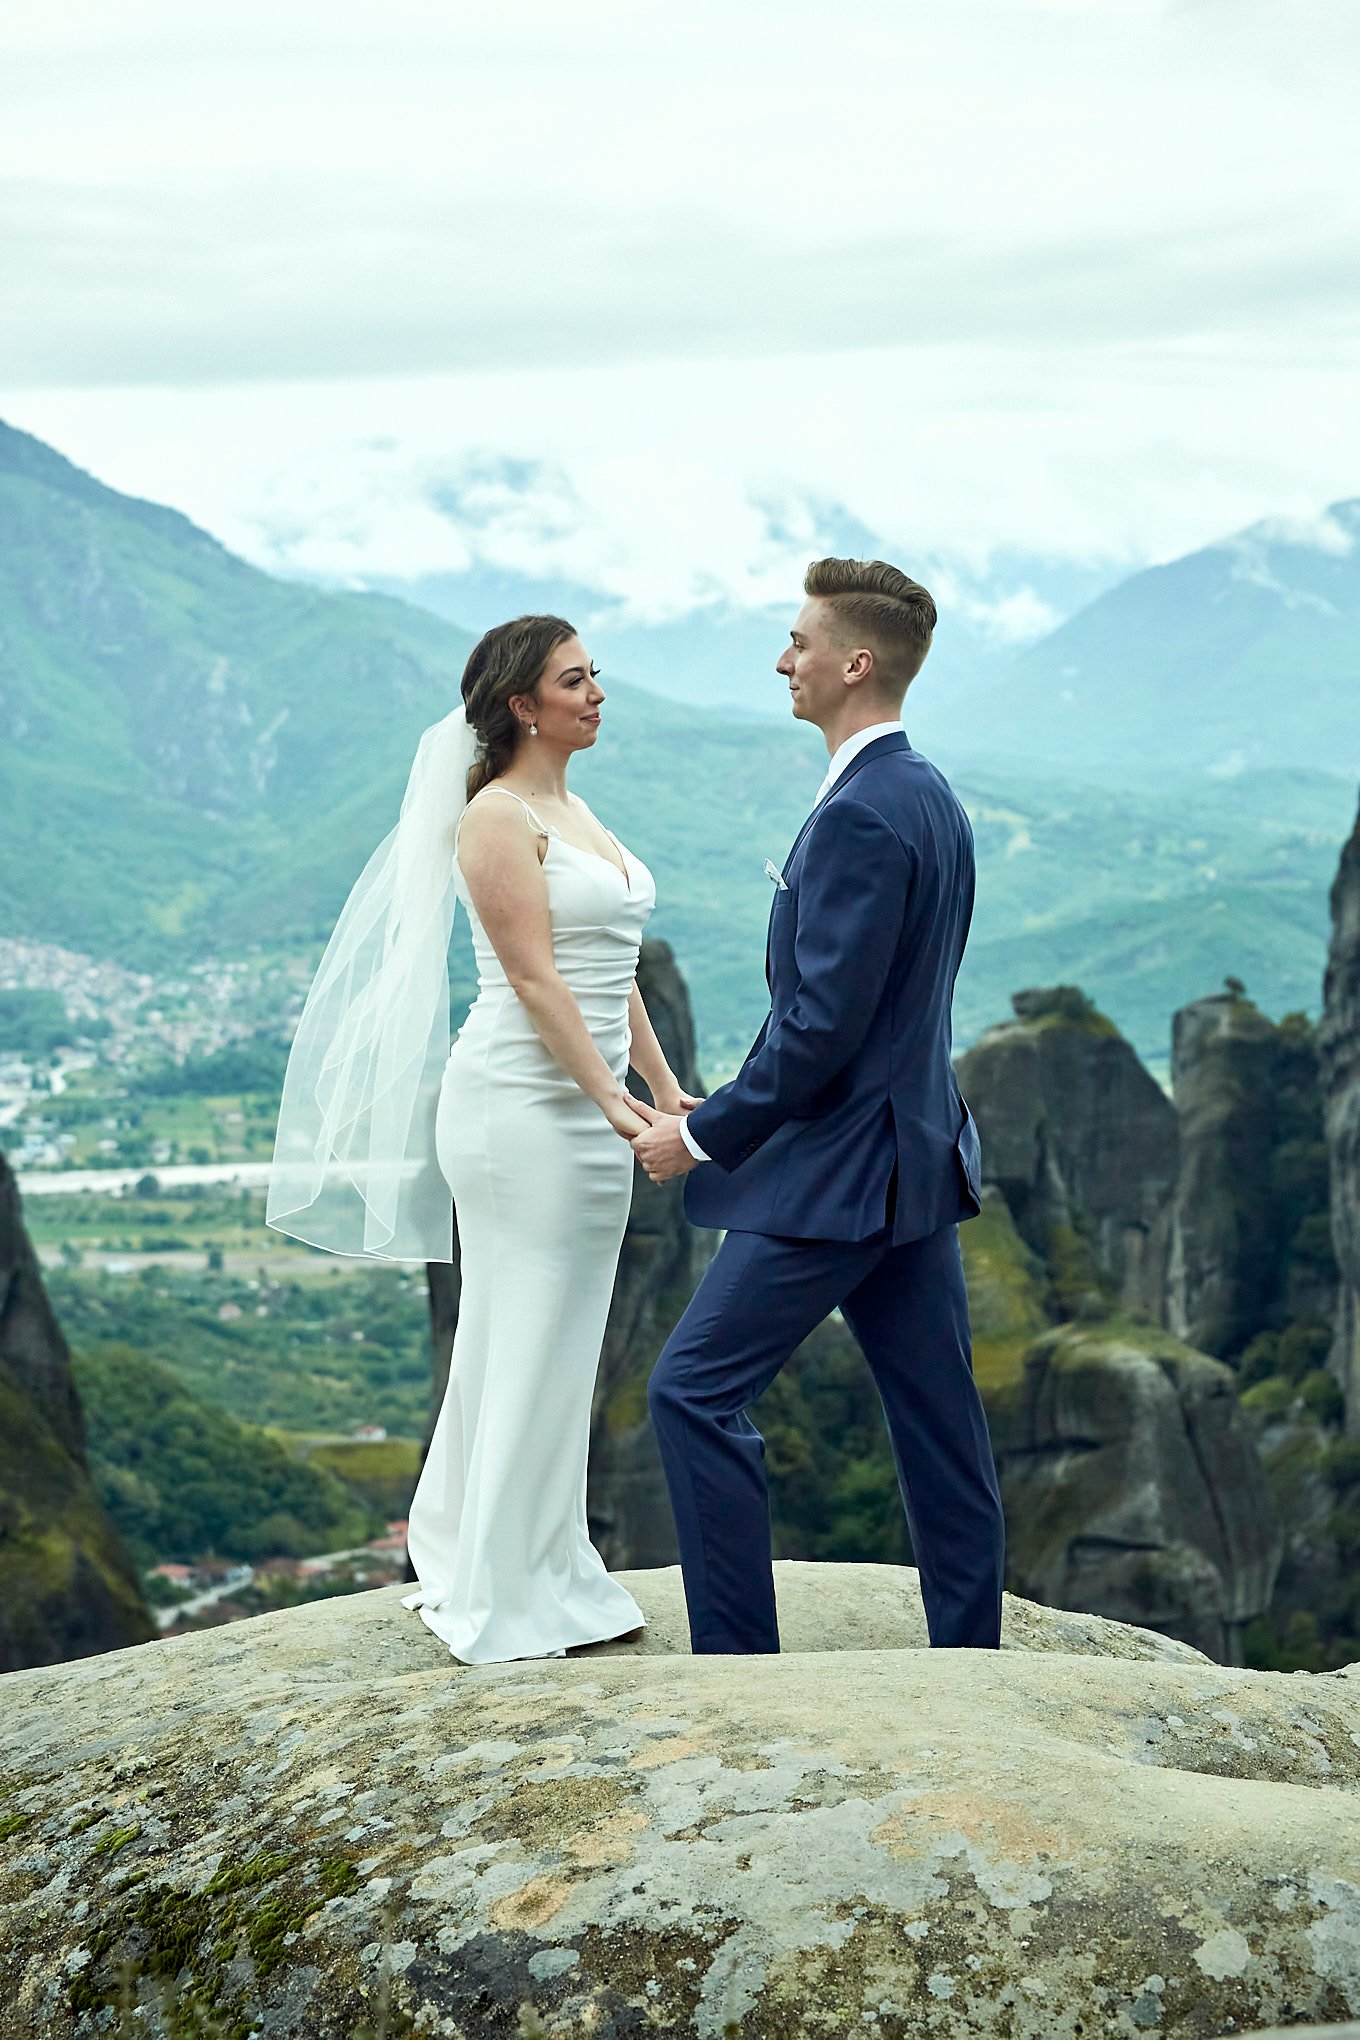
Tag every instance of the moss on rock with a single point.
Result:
(1132, 1484)
(1005, 1294)
(923, 1844)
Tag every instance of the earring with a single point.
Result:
(533, 729)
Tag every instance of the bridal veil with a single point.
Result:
(354, 1157)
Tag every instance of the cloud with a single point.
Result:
(1324, 533)
(1015, 619)
(218, 194)
(650, 543)
(658, 302)
(674, 487)
(210, 280)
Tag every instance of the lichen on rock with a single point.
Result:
(873, 1838)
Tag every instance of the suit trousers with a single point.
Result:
(908, 1310)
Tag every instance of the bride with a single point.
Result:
(524, 1125)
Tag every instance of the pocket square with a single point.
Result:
(774, 874)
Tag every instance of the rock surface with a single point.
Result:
(1339, 1041)
(304, 1816)
(67, 1586)
(1132, 1484)
(878, 1607)
(1347, 2030)
(1082, 1143)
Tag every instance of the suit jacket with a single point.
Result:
(851, 1079)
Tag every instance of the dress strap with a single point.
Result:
(540, 828)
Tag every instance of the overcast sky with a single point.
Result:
(640, 294)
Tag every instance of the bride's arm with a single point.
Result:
(648, 1058)
(499, 857)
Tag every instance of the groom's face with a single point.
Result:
(814, 664)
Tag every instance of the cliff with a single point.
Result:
(1253, 1175)
(1132, 1485)
(67, 1585)
(314, 1823)
(1082, 1144)
(629, 1515)
(1130, 1475)
(1339, 1040)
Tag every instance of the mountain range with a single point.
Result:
(197, 758)
(1243, 654)
(718, 656)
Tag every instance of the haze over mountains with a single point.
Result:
(1245, 653)
(711, 653)
(197, 758)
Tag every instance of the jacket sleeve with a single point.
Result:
(852, 895)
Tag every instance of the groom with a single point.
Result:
(841, 1157)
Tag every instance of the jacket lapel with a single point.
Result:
(807, 824)
(880, 748)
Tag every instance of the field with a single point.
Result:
(264, 1328)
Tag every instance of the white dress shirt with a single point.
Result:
(840, 758)
(851, 748)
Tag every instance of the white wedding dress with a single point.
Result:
(541, 1186)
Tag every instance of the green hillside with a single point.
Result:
(199, 758)
(1151, 898)
(193, 750)
(181, 1479)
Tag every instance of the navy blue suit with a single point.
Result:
(842, 1160)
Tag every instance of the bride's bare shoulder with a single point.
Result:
(497, 807)
(497, 819)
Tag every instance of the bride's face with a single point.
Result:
(567, 708)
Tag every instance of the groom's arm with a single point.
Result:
(852, 894)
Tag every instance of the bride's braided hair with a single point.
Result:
(508, 660)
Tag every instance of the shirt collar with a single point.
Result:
(851, 748)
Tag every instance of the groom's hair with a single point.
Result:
(880, 607)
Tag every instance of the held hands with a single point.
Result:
(629, 1116)
(659, 1147)
(624, 1114)
(671, 1100)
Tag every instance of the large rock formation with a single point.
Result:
(1130, 1478)
(315, 1823)
(1253, 1173)
(67, 1586)
(1081, 1142)
(1339, 1041)
(1132, 1485)
(1223, 1254)
(630, 1518)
